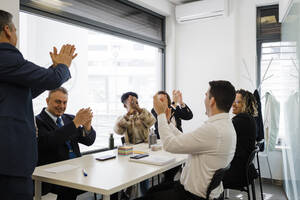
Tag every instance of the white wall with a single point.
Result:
(163, 7)
(12, 6)
(205, 50)
(246, 44)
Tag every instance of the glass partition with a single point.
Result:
(291, 141)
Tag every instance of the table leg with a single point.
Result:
(106, 197)
(38, 190)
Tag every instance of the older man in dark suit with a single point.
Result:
(59, 135)
(20, 82)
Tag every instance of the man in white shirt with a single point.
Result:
(209, 147)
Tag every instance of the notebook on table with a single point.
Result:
(154, 160)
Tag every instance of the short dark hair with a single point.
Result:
(125, 96)
(60, 89)
(5, 19)
(224, 94)
(165, 93)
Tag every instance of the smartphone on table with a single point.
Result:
(138, 156)
(105, 157)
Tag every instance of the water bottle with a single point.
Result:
(111, 144)
(152, 138)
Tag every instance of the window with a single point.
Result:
(277, 68)
(106, 67)
(281, 77)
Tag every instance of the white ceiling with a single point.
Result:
(176, 2)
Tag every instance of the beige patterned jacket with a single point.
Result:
(135, 127)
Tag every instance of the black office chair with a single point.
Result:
(250, 162)
(245, 188)
(215, 182)
(259, 144)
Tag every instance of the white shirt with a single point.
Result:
(209, 148)
(53, 117)
(271, 121)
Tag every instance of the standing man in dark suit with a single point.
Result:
(59, 135)
(20, 82)
(179, 111)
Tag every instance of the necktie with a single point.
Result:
(68, 143)
(59, 122)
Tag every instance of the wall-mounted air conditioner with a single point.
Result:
(203, 9)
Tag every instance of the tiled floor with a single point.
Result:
(85, 196)
(271, 192)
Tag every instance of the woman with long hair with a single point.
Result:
(245, 109)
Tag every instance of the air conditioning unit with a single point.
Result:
(204, 9)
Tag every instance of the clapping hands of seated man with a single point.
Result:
(133, 106)
(84, 118)
(65, 56)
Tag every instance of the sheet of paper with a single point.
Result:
(61, 168)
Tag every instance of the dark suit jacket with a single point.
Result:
(178, 113)
(20, 82)
(245, 128)
(51, 139)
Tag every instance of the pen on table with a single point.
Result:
(84, 172)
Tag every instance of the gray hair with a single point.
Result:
(5, 19)
(61, 89)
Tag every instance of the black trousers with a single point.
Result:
(170, 174)
(16, 188)
(169, 190)
(65, 193)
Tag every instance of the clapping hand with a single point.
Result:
(160, 105)
(83, 117)
(168, 114)
(65, 56)
(177, 97)
(133, 105)
(88, 125)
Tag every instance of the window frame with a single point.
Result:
(260, 39)
(91, 24)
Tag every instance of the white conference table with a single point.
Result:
(104, 177)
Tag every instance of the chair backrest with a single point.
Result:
(250, 161)
(261, 144)
(216, 180)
